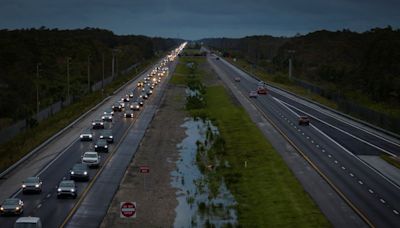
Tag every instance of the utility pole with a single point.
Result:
(291, 52)
(68, 59)
(37, 89)
(88, 73)
(102, 81)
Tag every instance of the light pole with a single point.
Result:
(68, 59)
(291, 52)
(102, 81)
(37, 89)
(88, 73)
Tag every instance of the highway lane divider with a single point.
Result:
(309, 161)
(55, 136)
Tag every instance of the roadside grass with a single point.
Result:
(29, 139)
(267, 193)
(391, 160)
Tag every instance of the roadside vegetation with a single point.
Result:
(394, 161)
(26, 141)
(267, 193)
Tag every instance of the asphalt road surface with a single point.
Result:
(333, 144)
(46, 205)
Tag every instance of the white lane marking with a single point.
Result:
(312, 141)
(302, 133)
(344, 168)
(352, 175)
(382, 200)
(396, 212)
(370, 191)
(48, 195)
(39, 206)
(345, 132)
(336, 161)
(317, 146)
(305, 103)
(323, 151)
(360, 182)
(308, 137)
(342, 147)
(329, 155)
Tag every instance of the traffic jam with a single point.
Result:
(99, 135)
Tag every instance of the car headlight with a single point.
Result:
(95, 146)
(85, 173)
(37, 186)
(59, 190)
(125, 114)
(93, 124)
(103, 117)
(72, 172)
(137, 106)
(90, 136)
(2, 208)
(101, 123)
(105, 146)
(17, 208)
(111, 136)
(101, 136)
(72, 190)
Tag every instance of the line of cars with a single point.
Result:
(80, 171)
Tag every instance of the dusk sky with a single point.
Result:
(201, 19)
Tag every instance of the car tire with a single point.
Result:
(74, 196)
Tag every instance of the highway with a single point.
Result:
(53, 211)
(333, 144)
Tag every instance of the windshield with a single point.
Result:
(31, 180)
(25, 225)
(79, 167)
(66, 184)
(10, 201)
(90, 155)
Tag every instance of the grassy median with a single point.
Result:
(267, 193)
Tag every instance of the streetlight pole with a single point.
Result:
(102, 81)
(88, 73)
(291, 52)
(68, 59)
(37, 90)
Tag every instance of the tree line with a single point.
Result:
(349, 63)
(42, 58)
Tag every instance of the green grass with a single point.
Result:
(267, 193)
(26, 141)
(391, 160)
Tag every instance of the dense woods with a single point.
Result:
(351, 64)
(24, 53)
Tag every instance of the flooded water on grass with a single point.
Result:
(196, 206)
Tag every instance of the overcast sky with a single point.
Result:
(195, 19)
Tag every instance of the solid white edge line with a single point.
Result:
(343, 148)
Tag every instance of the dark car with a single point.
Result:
(67, 188)
(86, 135)
(101, 146)
(107, 117)
(140, 101)
(125, 99)
(128, 114)
(12, 206)
(107, 135)
(304, 120)
(144, 95)
(98, 124)
(116, 107)
(108, 111)
(32, 184)
(134, 106)
(79, 172)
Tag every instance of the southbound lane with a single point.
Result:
(374, 195)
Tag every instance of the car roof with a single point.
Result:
(101, 141)
(32, 178)
(68, 181)
(90, 152)
(27, 220)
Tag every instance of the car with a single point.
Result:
(107, 117)
(128, 114)
(28, 222)
(134, 106)
(262, 90)
(101, 146)
(117, 107)
(107, 135)
(139, 84)
(237, 79)
(140, 101)
(12, 206)
(98, 124)
(131, 94)
(125, 99)
(32, 184)
(149, 92)
(253, 94)
(91, 159)
(86, 135)
(108, 111)
(144, 95)
(67, 188)
(79, 172)
(122, 103)
(304, 120)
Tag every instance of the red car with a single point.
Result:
(304, 120)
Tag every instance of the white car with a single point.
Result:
(91, 159)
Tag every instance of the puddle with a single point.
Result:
(197, 207)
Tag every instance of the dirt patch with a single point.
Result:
(154, 196)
